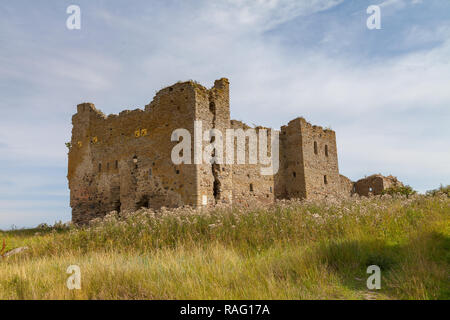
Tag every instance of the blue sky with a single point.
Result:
(385, 92)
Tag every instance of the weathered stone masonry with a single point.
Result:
(123, 162)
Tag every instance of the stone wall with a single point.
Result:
(375, 184)
(123, 162)
(347, 186)
(309, 162)
(213, 110)
(291, 179)
(320, 161)
(249, 184)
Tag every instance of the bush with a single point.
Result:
(440, 190)
(402, 190)
(44, 227)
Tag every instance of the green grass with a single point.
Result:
(290, 250)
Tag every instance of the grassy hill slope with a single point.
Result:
(290, 250)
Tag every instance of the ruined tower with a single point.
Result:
(123, 162)
(309, 161)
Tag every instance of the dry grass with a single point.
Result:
(291, 250)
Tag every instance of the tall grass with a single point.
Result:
(289, 250)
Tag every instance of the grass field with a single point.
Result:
(290, 250)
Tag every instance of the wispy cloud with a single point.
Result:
(384, 92)
(399, 3)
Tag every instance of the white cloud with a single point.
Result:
(399, 4)
(270, 84)
(81, 70)
(242, 16)
(262, 14)
(419, 35)
(263, 75)
(387, 3)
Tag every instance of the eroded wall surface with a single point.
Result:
(249, 184)
(375, 184)
(320, 161)
(123, 162)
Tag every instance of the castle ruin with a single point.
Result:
(123, 162)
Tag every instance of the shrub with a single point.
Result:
(440, 190)
(44, 227)
(402, 190)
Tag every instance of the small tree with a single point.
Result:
(440, 190)
(396, 190)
